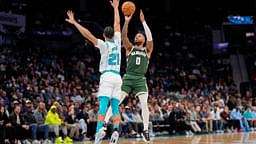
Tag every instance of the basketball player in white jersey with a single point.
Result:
(110, 80)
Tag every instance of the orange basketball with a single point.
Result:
(128, 8)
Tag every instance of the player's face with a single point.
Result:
(139, 39)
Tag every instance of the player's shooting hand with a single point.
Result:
(71, 18)
(128, 18)
(142, 18)
(114, 3)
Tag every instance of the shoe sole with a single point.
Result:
(145, 140)
(114, 140)
(100, 139)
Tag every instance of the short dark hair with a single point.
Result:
(143, 33)
(109, 32)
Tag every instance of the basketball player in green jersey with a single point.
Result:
(134, 80)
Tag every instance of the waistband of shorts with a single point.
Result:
(134, 75)
(111, 71)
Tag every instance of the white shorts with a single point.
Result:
(110, 85)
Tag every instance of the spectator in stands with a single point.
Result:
(29, 119)
(172, 119)
(210, 119)
(218, 124)
(225, 117)
(165, 111)
(130, 121)
(138, 120)
(182, 123)
(236, 115)
(56, 124)
(83, 120)
(40, 115)
(193, 118)
(20, 128)
(254, 118)
(200, 121)
(204, 117)
(5, 98)
(92, 121)
(249, 118)
(72, 123)
(3, 122)
(155, 115)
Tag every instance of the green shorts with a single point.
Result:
(135, 84)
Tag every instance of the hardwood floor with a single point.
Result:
(234, 138)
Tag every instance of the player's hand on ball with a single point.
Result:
(71, 18)
(128, 18)
(142, 18)
(114, 3)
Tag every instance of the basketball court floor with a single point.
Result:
(234, 138)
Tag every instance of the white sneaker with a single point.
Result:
(47, 141)
(36, 142)
(152, 134)
(137, 135)
(99, 136)
(191, 133)
(85, 138)
(187, 133)
(114, 138)
(26, 141)
(6, 141)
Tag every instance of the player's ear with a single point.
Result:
(104, 35)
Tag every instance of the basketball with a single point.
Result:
(128, 8)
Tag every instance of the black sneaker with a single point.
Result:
(145, 136)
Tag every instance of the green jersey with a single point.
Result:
(137, 62)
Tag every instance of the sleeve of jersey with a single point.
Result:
(117, 38)
(100, 44)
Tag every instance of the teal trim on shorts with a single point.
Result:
(104, 97)
(112, 71)
(113, 98)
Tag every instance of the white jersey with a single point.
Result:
(110, 52)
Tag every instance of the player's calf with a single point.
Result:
(116, 120)
(100, 130)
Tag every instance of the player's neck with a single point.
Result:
(108, 39)
(139, 46)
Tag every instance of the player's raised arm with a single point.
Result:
(115, 5)
(125, 39)
(84, 31)
(149, 44)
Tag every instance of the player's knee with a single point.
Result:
(103, 105)
(115, 106)
(143, 100)
(143, 97)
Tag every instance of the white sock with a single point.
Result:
(109, 111)
(144, 108)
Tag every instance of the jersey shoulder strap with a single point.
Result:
(131, 50)
(145, 49)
